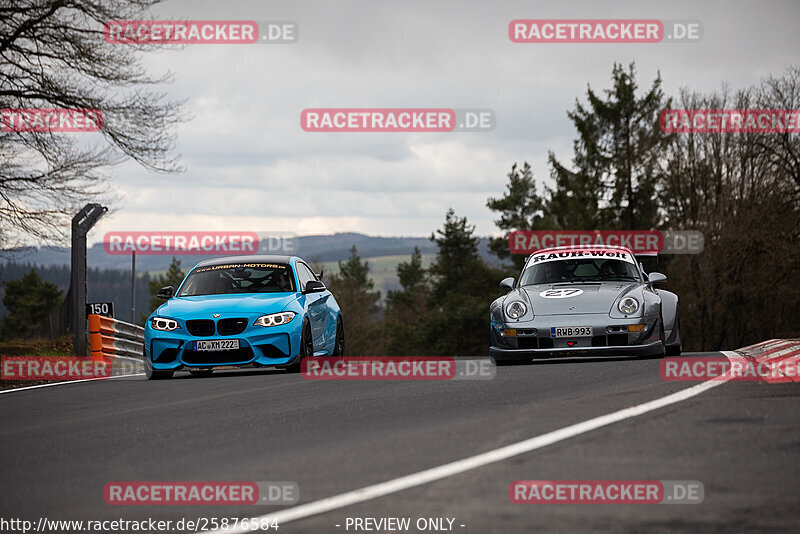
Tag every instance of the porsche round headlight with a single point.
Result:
(516, 309)
(274, 319)
(162, 323)
(628, 305)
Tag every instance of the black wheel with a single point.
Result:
(201, 372)
(152, 374)
(338, 347)
(306, 349)
(676, 347)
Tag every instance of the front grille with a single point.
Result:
(240, 355)
(545, 343)
(231, 327)
(527, 343)
(200, 327)
(598, 341)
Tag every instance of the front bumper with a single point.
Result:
(653, 348)
(610, 338)
(258, 347)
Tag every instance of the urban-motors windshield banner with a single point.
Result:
(639, 241)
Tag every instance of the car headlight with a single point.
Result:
(516, 309)
(274, 319)
(628, 305)
(161, 323)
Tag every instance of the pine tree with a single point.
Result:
(406, 309)
(617, 159)
(355, 292)
(462, 287)
(173, 277)
(29, 300)
(521, 208)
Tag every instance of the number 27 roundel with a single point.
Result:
(560, 293)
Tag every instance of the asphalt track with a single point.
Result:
(61, 445)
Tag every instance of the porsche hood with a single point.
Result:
(578, 298)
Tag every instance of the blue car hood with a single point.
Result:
(225, 305)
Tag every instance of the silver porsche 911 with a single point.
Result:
(583, 301)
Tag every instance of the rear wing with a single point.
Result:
(646, 254)
(649, 254)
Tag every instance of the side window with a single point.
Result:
(311, 273)
(304, 274)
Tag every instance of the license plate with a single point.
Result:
(216, 344)
(570, 331)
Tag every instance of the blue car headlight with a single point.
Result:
(162, 323)
(274, 319)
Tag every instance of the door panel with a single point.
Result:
(317, 306)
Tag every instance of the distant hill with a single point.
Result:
(382, 270)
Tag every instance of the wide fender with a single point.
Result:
(669, 311)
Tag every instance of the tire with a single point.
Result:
(675, 349)
(306, 349)
(200, 372)
(152, 374)
(338, 345)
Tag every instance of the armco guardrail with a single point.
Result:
(110, 337)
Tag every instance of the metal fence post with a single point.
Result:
(81, 224)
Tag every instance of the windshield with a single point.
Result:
(238, 278)
(579, 270)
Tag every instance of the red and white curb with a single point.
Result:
(773, 351)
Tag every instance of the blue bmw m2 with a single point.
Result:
(243, 311)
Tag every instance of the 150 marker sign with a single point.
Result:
(100, 308)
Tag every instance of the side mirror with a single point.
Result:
(314, 286)
(165, 293)
(655, 278)
(507, 283)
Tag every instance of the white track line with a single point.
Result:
(65, 382)
(479, 460)
(62, 382)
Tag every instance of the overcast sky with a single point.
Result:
(249, 165)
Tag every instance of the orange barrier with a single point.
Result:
(110, 337)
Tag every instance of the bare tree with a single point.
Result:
(740, 190)
(782, 149)
(53, 55)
